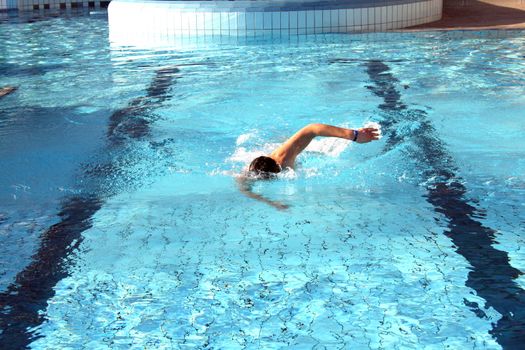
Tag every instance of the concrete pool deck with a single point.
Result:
(478, 15)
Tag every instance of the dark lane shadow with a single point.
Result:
(23, 302)
(15, 70)
(476, 14)
(491, 274)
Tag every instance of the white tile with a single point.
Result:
(410, 15)
(226, 22)
(174, 21)
(356, 18)
(285, 20)
(394, 13)
(326, 19)
(258, 20)
(199, 21)
(232, 23)
(310, 30)
(334, 19)
(293, 21)
(250, 20)
(267, 20)
(349, 19)
(184, 25)
(241, 21)
(192, 23)
(372, 15)
(342, 17)
(276, 20)
(310, 19)
(301, 19)
(318, 20)
(216, 22)
(170, 23)
(362, 16)
(224, 31)
(384, 18)
(208, 21)
(285, 23)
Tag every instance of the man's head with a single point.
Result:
(264, 167)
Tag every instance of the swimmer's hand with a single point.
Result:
(368, 134)
(245, 186)
(280, 205)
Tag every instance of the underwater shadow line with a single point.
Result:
(492, 276)
(22, 303)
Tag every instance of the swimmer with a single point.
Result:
(7, 90)
(264, 167)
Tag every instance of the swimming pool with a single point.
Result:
(122, 226)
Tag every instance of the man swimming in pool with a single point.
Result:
(264, 167)
(7, 90)
(284, 156)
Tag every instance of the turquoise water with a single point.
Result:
(121, 224)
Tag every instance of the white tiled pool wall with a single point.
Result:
(168, 18)
(8, 4)
(24, 5)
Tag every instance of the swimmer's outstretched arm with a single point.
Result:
(245, 186)
(285, 155)
(7, 90)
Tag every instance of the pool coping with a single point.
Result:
(476, 15)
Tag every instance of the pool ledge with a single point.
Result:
(266, 18)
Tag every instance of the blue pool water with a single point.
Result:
(121, 224)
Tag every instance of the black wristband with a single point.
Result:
(356, 133)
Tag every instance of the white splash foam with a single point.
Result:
(249, 147)
(329, 146)
(288, 174)
(311, 172)
(371, 124)
(244, 137)
(242, 154)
